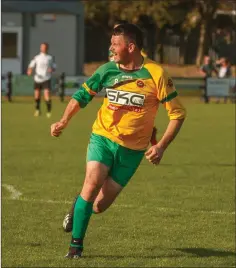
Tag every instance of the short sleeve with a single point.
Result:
(165, 90)
(168, 96)
(32, 63)
(89, 89)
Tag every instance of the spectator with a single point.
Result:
(224, 71)
(207, 69)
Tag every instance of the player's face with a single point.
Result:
(119, 48)
(43, 48)
(207, 60)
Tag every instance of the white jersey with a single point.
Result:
(42, 63)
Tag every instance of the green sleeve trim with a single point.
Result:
(82, 96)
(171, 96)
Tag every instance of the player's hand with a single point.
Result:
(29, 71)
(56, 128)
(154, 154)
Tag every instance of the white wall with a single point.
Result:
(61, 36)
(11, 19)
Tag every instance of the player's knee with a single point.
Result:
(90, 191)
(98, 208)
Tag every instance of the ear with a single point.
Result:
(131, 47)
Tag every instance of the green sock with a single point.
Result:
(82, 214)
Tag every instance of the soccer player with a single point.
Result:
(135, 87)
(68, 219)
(43, 65)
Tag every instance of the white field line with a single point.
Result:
(165, 209)
(15, 195)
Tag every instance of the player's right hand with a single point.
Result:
(56, 128)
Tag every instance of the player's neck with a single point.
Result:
(134, 64)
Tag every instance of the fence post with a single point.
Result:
(9, 86)
(61, 86)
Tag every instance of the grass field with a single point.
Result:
(179, 214)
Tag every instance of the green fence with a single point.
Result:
(22, 85)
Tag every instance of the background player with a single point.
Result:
(43, 65)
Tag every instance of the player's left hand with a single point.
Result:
(154, 154)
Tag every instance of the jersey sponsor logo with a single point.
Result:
(125, 97)
(122, 78)
(127, 77)
(140, 83)
(124, 107)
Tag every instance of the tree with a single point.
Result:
(150, 15)
(202, 15)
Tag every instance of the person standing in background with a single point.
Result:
(207, 69)
(224, 72)
(44, 66)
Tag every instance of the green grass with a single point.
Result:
(179, 214)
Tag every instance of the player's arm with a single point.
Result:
(79, 100)
(176, 112)
(170, 133)
(71, 109)
(31, 66)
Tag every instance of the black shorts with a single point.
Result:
(43, 85)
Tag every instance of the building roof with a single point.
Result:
(42, 6)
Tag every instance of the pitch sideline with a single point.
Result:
(15, 195)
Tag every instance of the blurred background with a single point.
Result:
(178, 34)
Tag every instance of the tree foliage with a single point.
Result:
(187, 14)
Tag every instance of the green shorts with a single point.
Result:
(123, 162)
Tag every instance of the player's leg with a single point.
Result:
(107, 195)
(47, 96)
(96, 173)
(126, 161)
(97, 151)
(37, 96)
(125, 165)
(99, 161)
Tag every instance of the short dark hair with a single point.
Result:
(130, 31)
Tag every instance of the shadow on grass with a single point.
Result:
(194, 164)
(207, 252)
(199, 252)
(132, 256)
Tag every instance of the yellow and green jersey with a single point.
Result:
(131, 102)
